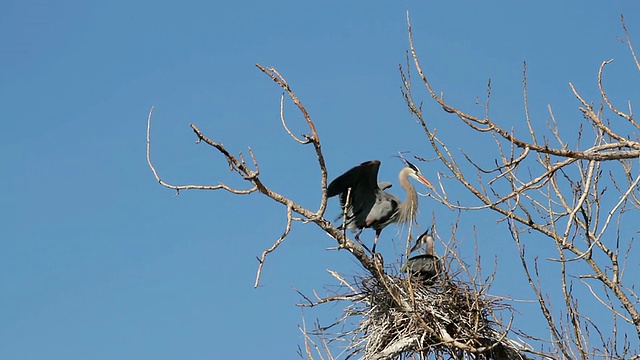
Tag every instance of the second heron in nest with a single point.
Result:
(426, 266)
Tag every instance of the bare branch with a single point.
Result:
(284, 123)
(313, 138)
(608, 102)
(275, 245)
(190, 187)
(628, 42)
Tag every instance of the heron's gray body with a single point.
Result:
(423, 266)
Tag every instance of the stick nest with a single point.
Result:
(403, 317)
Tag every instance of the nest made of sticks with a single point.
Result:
(402, 316)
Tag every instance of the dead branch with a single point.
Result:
(191, 187)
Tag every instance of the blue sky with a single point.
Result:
(100, 262)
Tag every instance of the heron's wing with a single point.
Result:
(384, 210)
(384, 185)
(363, 181)
(364, 175)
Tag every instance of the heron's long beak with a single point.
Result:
(415, 247)
(419, 241)
(426, 182)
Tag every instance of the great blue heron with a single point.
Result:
(424, 266)
(369, 206)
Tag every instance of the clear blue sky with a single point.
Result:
(97, 261)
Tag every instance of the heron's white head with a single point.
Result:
(427, 240)
(417, 174)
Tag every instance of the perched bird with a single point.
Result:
(424, 266)
(368, 205)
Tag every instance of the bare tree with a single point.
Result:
(582, 200)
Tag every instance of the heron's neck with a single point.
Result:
(430, 248)
(409, 207)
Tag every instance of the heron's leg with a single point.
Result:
(375, 241)
(357, 237)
